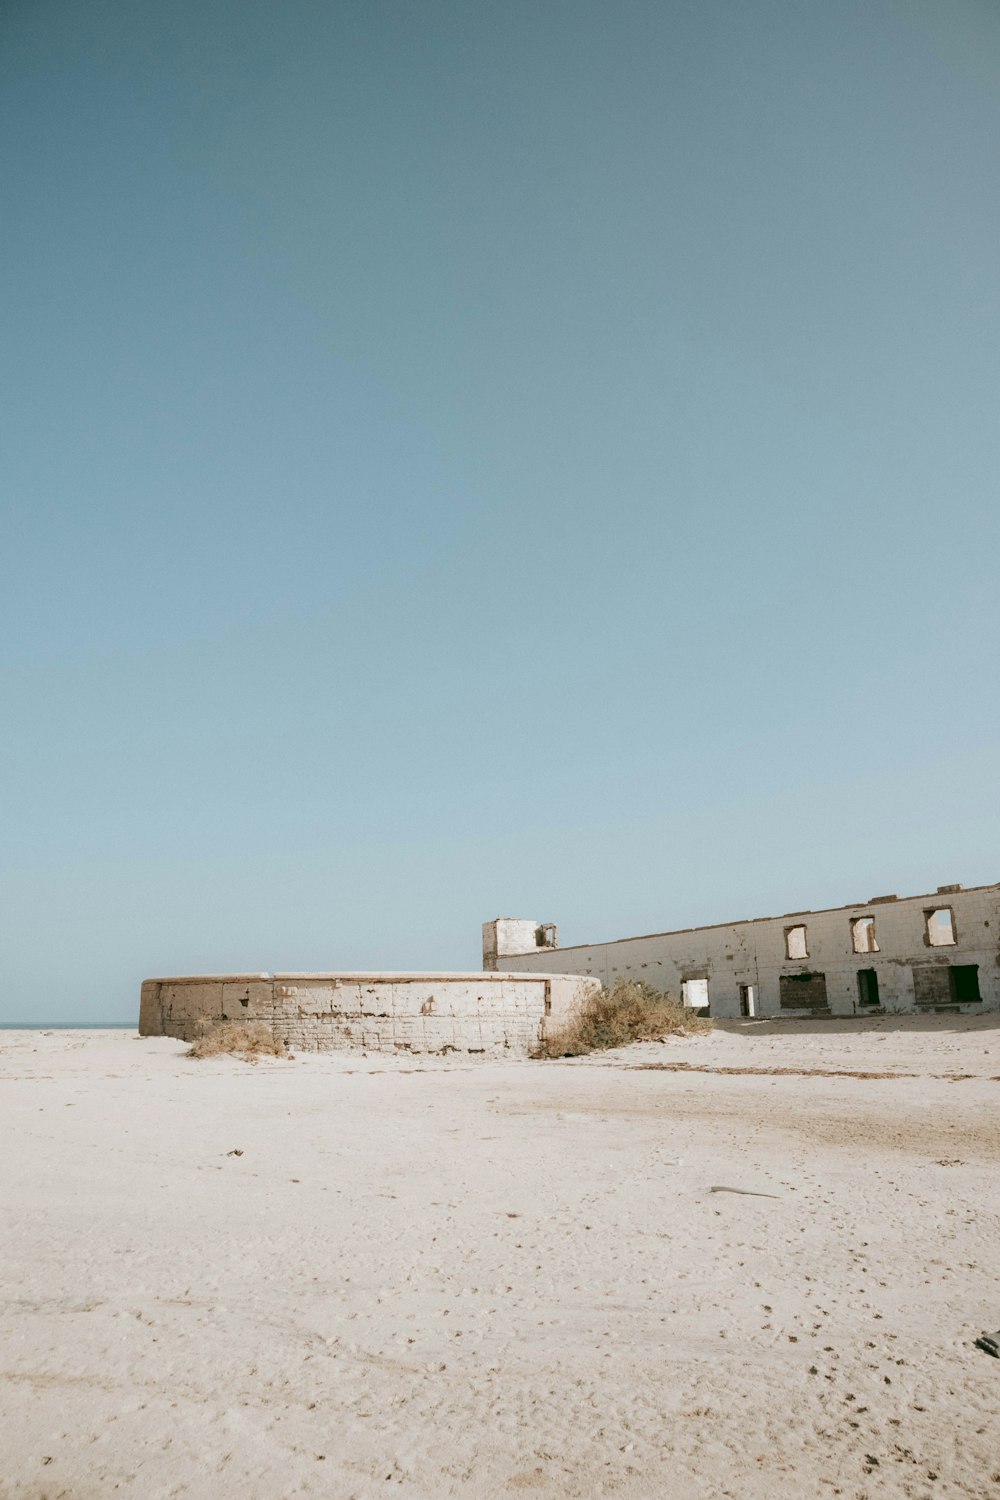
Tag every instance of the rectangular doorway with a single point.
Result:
(867, 988)
(748, 1000)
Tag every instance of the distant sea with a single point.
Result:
(67, 1026)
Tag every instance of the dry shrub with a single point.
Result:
(630, 1011)
(251, 1041)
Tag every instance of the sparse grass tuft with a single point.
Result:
(251, 1041)
(630, 1011)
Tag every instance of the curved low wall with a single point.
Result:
(495, 1014)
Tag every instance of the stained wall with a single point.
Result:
(913, 971)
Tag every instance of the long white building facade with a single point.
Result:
(886, 956)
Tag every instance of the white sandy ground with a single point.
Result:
(490, 1280)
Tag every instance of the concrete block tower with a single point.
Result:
(509, 937)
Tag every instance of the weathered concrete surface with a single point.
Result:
(493, 1014)
(507, 936)
(914, 971)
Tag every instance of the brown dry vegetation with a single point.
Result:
(630, 1011)
(251, 1042)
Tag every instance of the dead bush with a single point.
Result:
(251, 1041)
(630, 1011)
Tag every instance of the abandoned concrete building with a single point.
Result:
(885, 956)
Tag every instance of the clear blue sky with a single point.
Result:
(464, 459)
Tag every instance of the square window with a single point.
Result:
(694, 993)
(795, 942)
(803, 992)
(940, 931)
(863, 935)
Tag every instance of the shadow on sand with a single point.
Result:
(824, 1025)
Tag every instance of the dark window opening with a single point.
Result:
(867, 987)
(802, 992)
(930, 985)
(964, 982)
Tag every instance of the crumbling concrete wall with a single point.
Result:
(914, 971)
(490, 1014)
